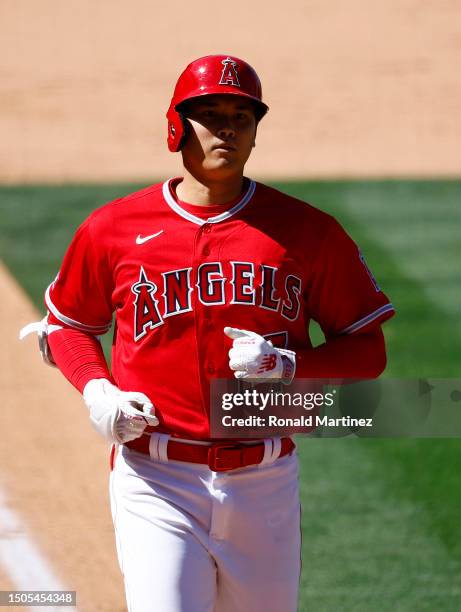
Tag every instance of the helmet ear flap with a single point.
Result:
(177, 127)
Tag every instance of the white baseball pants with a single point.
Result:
(193, 540)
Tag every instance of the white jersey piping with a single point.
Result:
(92, 329)
(368, 319)
(218, 218)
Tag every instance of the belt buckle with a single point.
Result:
(224, 457)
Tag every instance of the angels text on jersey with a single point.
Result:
(249, 286)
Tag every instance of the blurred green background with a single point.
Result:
(381, 518)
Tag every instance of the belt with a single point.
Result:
(219, 456)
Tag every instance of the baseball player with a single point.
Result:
(208, 275)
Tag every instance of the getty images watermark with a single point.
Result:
(271, 401)
(326, 408)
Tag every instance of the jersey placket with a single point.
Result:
(205, 249)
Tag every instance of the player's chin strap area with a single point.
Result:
(43, 329)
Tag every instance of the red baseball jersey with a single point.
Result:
(174, 276)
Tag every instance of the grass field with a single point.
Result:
(381, 528)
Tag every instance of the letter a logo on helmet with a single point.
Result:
(229, 74)
(212, 74)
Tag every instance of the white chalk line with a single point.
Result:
(22, 560)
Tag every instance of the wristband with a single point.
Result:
(288, 365)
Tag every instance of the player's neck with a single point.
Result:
(205, 192)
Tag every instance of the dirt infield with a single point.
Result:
(355, 89)
(54, 467)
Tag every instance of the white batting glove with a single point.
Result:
(254, 358)
(119, 416)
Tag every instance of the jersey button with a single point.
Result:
(211, 368)
(206, 250)
(207, 322)
(206, 229)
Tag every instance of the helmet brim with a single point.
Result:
(260, 109)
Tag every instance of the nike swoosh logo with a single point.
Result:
(142, 239)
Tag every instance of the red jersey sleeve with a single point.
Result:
(343, 296)
(80, 296)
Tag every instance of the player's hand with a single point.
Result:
(254, 358)
(119, 416)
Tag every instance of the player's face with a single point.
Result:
(222, 131)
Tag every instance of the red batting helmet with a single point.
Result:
(212, 74)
